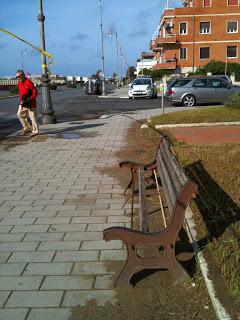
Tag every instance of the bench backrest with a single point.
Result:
(172, 176)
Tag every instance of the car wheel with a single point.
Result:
(188, 100)
(130, 97)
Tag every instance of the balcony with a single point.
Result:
(168, 38)
(169, 64)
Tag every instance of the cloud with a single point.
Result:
(79, 36)
(141, 27)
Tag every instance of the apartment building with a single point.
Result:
(197, 33)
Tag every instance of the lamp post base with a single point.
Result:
(48, 118)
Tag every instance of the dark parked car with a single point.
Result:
(192, 90)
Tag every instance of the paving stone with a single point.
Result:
(89, 220)
(20, 283)
(113, 255)
(104, 282)
(34, 299)
(3, 298)
(16, 203)
(83, 236)
(10, 237)
(61, 220)
(74, 298)
(101, 244)
(28, 208)
(30, 228)
(13, 314)
(75, 256)
(18, 246)
(75, 213)
(11, 214)
(59, 245)
(17, 221)
(67, 282)
(90, 268)
(11, 269)
(48, 269)
(67, 227)
(32, 256)
(39, 214)
(63, 207)
(50, 314)
(43, 236)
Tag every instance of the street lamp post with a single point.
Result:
(22, 53)
(47, 108)
(117, 67)
(102, 50)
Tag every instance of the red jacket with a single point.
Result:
(24, 87)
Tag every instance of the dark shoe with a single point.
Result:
(24, 132)
(34, 134)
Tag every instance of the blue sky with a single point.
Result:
(72, 30)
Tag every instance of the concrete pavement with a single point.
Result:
(55, 201)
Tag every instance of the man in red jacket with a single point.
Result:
(27, 107)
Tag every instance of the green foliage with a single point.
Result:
(156, 74)
(233, 102)
(218, 67)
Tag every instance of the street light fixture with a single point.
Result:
(102, 50)
(47, 108)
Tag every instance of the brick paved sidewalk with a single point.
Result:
(54, 204)
(207, 135)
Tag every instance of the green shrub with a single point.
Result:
(233, 101)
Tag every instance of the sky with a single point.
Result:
(72, 32)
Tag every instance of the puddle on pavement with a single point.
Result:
(75, 135)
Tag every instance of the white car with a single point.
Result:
(142, 87)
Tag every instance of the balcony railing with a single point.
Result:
(167, 38)
(170, 64)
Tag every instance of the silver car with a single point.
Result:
(192, 90)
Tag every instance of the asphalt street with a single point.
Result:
(72, 105)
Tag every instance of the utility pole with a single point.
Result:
(102, 50)
(117, 67)
(47, 108)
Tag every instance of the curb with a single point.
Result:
(218, 307)
(187, 125)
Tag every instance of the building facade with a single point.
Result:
(197, 33)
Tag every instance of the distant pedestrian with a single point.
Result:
(27, 108)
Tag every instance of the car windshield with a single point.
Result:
(140, 82)
(181, 83)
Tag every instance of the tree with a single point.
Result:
(131, 72)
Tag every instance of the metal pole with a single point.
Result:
(226, 64)
(102, 51)
(22, 59)
(117, 58)
(47, 108)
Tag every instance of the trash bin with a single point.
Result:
(98, 87)
(89, 87)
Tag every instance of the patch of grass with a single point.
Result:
(216, 170)
(201, 115)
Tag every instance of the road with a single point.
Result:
(70, 105)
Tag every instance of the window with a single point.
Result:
(215, 83)
(232, 26)
(205, 27)
(204, 53)
(207, 3)
(232, 52)
(183, 28)
(183, 53)
(201, 83)
(233, 2)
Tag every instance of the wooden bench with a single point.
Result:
(178, 190)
